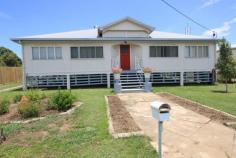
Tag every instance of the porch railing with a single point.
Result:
(138, 64)
(115, 62)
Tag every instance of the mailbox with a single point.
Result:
(160, 111)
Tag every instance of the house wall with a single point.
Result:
(180, 63)
(66, 64)
(111, 51)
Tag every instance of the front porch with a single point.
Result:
(127, 56)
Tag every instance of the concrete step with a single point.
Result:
(132, 90)
(130, 80)
(132, 83)
(131, 86)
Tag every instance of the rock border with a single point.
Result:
(111, 128)
(78, 104)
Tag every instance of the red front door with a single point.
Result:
(125, 57)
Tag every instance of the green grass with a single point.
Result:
(9, 85)
(87, 136)
(210, 95)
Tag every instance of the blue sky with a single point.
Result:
(31, 17)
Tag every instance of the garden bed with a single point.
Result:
(211, 113)
(35, 105)
(121, 123)
(14, 117)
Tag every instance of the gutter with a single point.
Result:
(19, 40)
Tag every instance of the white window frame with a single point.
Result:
(79, 58)
(197, 49)
(47, 56)
(164, 46)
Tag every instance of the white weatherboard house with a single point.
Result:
(86, 57)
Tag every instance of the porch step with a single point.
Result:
(131, 81)
(132, 90)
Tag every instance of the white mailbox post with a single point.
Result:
(161, 112)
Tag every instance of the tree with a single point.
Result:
(9, 58)
(226, 64)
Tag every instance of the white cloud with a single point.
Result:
(209, 3)
(222, 30)
(4, 16)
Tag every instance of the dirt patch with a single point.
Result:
(65, 127)
(121, 119)
(199, 108)
(11, 115)
(26, 138)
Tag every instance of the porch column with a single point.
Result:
(182, 78)
(24, 81)
(108, 80)
(68, 81)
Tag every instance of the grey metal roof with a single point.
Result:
(92, 35)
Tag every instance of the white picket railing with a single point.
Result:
(138, 64)
(115, 62)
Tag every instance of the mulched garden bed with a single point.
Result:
(14, 117)
(122, 121)
(211, 113)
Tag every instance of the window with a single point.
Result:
(51, 53)
(43, 53)
(46, 53)
(86, 52)
(35, 53)
(163, 51)
(196, 52)
(74, 52)
(58, 52)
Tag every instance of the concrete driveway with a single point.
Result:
(187, 134)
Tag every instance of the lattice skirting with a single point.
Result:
(101, 79)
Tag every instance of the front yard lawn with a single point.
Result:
(210, 95)
(83, 134)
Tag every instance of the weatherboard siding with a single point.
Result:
(111, 50)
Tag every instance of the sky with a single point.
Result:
(31, 17)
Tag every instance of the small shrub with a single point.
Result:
(51, 105)
(29, 109)
(33, 95)
(62, 100)
(4, 106)
(17, 98)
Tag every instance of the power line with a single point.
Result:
(186, 16)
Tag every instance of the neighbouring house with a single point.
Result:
(86, 57)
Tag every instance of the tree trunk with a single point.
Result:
(226, 86)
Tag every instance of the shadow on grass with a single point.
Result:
(219, 91)
(223, 92)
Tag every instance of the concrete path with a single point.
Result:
(187, 134)
(10, 89)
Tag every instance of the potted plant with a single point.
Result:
(116, 71)
(147, 72)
